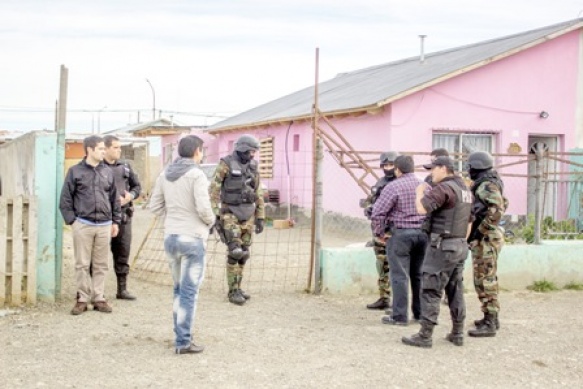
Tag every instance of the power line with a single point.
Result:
(11, 109)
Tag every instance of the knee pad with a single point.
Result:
(235, 251)
(245, 256)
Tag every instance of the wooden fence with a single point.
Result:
(18, 241)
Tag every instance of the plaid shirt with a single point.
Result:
(396, 205)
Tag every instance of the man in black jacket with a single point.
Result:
(90, 205)
(449, 203)
(128, 189)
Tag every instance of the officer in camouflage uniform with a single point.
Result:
(387, 161)
(237, 201)
(486, 238)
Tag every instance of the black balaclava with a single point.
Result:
(244, 157)
(477, 173)
(389, 173)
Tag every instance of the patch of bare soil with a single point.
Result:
(284, 340)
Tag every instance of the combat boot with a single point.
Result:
(422, 338)
(122, 291)
(456, 336)
(236, 298)
(488, 327)
(238, 280)
(381, 303)
(245, 295)
(478, 323)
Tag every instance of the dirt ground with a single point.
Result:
(285, 340)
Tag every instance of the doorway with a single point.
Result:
(549, 187)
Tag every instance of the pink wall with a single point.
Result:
(504, 97)
(297, 185)
(209, 143)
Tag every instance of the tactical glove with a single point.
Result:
(259, 223)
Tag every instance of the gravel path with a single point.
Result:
(286, 340)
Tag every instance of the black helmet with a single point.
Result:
(388, 157)
(480, 160)
(246, 143)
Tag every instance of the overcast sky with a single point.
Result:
(213, 58)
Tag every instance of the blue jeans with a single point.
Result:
(405, 252)
(186, 260)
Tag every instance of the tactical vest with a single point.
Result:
(239, 185)
(376, 190)
(453, 222)
(480, 208)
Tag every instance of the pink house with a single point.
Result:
(502, 95)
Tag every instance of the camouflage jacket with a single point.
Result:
(221, 172)
(488, 196)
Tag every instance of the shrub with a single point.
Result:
(543, 286)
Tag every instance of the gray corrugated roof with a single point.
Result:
(378, 85)
(131, 128)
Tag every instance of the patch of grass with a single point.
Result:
(574, 286)
(543, 286)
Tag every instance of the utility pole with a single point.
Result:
(59, 176)
(153, 100)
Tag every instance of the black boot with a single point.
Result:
(422, 338)
(239, 279)
(122, 292)
(456, 336)
(236, 298)
(478, 323)
(381, 303)
(488, 327)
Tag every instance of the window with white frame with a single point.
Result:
(463, 142)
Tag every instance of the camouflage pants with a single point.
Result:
(485, 263)
(238, 234)
(382, 264)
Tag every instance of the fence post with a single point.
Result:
(537, 195)
(318, 215)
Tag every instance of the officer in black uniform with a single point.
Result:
(449, 203)
(129, 188)
(387, 163)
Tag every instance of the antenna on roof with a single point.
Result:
(422, 54)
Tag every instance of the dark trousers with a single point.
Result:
(121, 246)
(405, 251)
(443, 269)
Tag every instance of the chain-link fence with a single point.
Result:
(281, 257)
(544, 190)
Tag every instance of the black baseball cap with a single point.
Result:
(440, 161)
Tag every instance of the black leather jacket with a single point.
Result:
(90, 193)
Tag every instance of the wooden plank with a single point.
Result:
(31, 253)
(17, 253)
(3, 245)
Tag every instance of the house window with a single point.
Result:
(465, 143)
(297, 142)
(266, 157)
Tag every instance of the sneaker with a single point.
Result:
(190, 349)
(390, 320)
(102, 306)
(79, 308)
